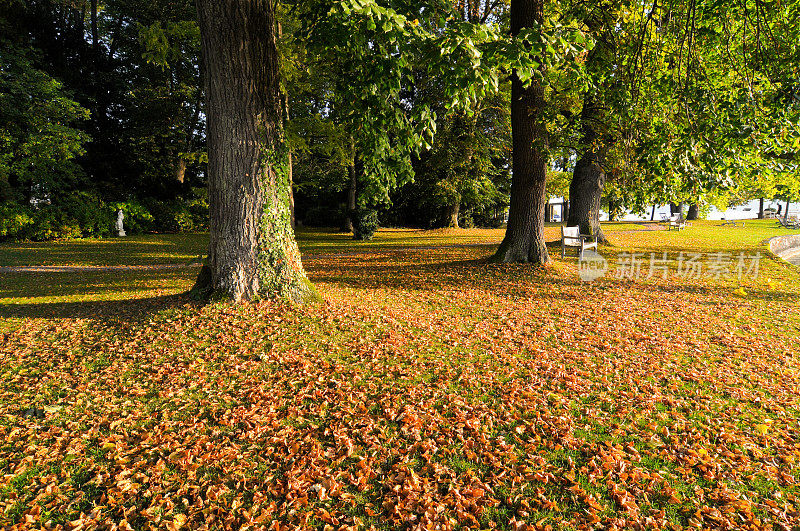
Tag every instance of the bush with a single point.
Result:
(74, 216)
(166, 216)
(83, 214)
(13, 220)
(138, 217)
(365, 223)
(198, 209)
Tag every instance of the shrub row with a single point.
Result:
(83, 215)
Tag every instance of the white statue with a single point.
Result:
(120, 228)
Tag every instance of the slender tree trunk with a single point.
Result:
(612, 210)
(653, 214)
(351, 197)
(452, 213)
(693, 213)
(524, 239)
(81, 26)
(112, 47)
(188, 145)
(95, 33)
(761, 208)
(252, 250)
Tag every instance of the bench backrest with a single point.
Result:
(571, 236)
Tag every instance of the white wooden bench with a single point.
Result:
(791, 223)
(676, 222)
(572, 237)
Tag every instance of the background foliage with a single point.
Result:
(101, 108)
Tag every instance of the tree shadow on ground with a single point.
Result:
(114, 311)
(410, 270)
(143, 249)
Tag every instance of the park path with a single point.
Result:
(90, 269)
(156, 267)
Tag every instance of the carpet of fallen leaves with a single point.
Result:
(430, 390)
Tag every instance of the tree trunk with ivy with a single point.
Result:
(252, 250)
(524, 239)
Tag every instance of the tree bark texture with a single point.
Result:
(252, 251)
(285, 115)
(693, 213)
(524, 239)
(589, 177)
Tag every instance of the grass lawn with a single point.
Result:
(430, 389)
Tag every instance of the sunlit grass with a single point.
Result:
(429, 382)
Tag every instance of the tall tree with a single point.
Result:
(589, 176)
(252, 250)
(524, 239)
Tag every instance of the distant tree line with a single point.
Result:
(402, 113)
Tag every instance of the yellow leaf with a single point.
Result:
(180, 520)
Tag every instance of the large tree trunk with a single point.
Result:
(586, 193)
(290, 178)
(693, 213)
(761, 208)
(252, 252)
(290, 161)
(589, 177)
(524, 239)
